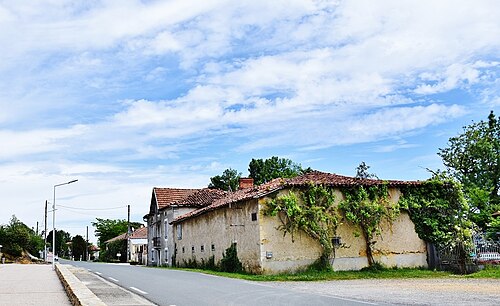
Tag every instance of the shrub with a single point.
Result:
(230, 261)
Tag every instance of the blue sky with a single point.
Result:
(126, 95)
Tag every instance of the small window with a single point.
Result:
(166, 230)
(183, 250)
(192, 249)
(179, 231)
(202, 249)
(213, 247)
(166, 255)
(254, 216)
(337, 241)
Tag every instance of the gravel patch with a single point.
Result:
(442, 291)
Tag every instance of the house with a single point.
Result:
(138, 246)
(166, 205)
(94, 252)
(263, 248)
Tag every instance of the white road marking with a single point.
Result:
(138, 290)
(114, 279)
(98, 273)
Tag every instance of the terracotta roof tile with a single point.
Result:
(313, 177)
(119, 237)
(167, 196)
(334, 180)
(202, 197)
(140, 233)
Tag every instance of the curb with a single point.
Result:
(77, 292)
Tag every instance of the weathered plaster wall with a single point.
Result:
(220, 228)
(282, 253)
(398, 246)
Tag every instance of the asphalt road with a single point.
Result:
(182, 288)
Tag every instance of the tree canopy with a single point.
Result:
(108, 228)
(228, 180)
(62, 238)
(264, 170)
(78, 247)
(473, 158)
(17, 237)
(362, 171)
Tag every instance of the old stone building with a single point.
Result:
(263, 248)
(166, 205)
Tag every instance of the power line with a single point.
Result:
(77, 208)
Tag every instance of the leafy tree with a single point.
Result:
(17, 237)
(493, 231)
(108, 228)
(112, 249)
(362, 172)
(228, 180)
(62, 238)
(78, 246)
(263, 171)
(473, 158)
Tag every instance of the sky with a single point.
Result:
(127, 95)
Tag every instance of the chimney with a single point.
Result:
(246, 182)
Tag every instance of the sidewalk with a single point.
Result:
(31, 285)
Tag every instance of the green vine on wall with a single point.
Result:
(314, 213)
(367, 208)
(439, 211)
(437, 208)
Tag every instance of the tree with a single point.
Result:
(229, 180)
(473, 158)
(17, 237)
(263, 171)
(362, 172)
(62, 238)
(78, 247)
(108, 228)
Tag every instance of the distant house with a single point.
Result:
(263, 248)
(166, 205)
(94, 252)
(137, 243)
(138, 246)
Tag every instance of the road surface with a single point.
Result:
(183, 288)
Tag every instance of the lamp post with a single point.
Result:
(54, 223)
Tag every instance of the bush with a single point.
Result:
(230, 261)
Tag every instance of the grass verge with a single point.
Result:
(331, 275)
(312, 275)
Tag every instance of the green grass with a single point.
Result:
(489, 271)
(331, 275)
(311, 275)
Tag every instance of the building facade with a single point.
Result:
(263, 248)
(166, 205)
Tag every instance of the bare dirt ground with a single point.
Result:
(448, 291)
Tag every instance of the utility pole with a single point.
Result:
(87, 246)
(128, 233)
(45, 234)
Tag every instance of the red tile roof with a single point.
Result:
(335, 180)
(167, 196)
(201, 198)
(140, 233)
(313, 177)
(119, 237)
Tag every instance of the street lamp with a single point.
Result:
(54, 223)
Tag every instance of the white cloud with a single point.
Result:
(203, 77)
